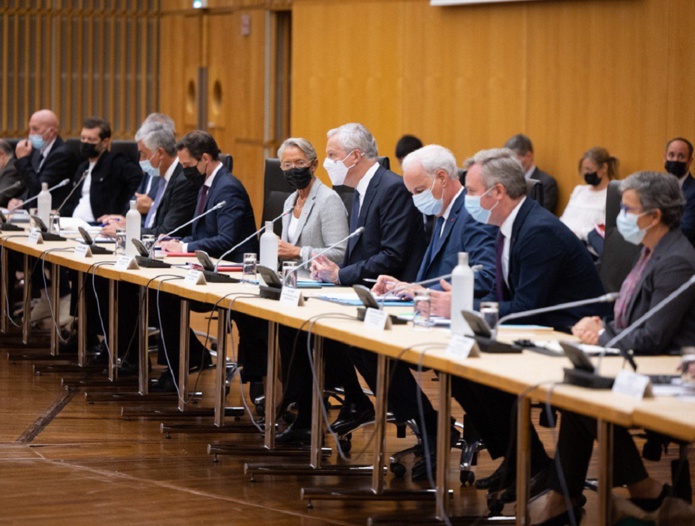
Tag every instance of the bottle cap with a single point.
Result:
(463, 258)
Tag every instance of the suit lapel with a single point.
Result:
(372, 189)
(307, 208)
(524, 211)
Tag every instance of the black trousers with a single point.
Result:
(575, 444)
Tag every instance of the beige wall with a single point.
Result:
(571, 74)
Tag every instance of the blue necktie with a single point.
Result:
(153, 209)
(436, 237)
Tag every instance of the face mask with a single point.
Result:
(88, 150)
(592, 178)
(427, 203)
(677, 168)
(192, 174)
(476, 210)
(628, 227)
(147, 167)
(37, 141)
(298, 178)
(337, 171)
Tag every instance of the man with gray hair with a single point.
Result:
(523, 148)
(539, 263)
(11, 184)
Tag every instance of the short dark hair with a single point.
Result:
(95, 122)
(520, 143)
(197, 143)
(6, 148)
(686, 141)
(407, 144)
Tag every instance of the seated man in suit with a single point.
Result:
(540, 263)
(214, 233)
(678, 158)
(523, 148)
(11, 184)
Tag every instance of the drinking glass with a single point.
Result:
(248, 267)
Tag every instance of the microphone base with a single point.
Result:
(395, 320)
(583, 378)
(7, 227)
(52, 237)
(100, 251)
(270, 293)
(149, 262)
(216, 277)
(491, 346)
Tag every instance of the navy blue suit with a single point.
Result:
(548, 265)
(688, 219)
(219, 231)
(393, 240)
(461, 233)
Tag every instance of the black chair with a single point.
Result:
(228, 161)
(275, 191)
(534, 190)
(74, 146)
(127, 148)
(618, 255)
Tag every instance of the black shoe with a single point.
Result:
(128, 369)
(650, 505)
(419, 469)
(200, 363)
(165, 384)
(293, 437)
(68, 347)
(501, 477)
(538, 484)
(351, 418)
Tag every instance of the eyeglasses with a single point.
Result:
(630, 210)
(299, 164)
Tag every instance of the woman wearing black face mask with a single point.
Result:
(587, 205)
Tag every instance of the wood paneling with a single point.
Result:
(571, 74)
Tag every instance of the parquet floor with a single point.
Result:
(88, 465)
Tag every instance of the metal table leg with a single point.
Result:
(55, 301)
(26, 320)
(523, 465)
(113, 331)
(184, 353)
(144, 343)
(604, 435)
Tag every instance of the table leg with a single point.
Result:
(113, 330)
(144, 346)
(443, 446)
(184, 352)
(4, 291)
(26, 320)
(273, 370)
(317, 404)
(221, 371)
(604, 435)
(523, 465)
(81, 321)
(55, 301)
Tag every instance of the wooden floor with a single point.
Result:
(65, 461)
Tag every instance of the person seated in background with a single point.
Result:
(11, 183)
(318, 220)
(651, 209)
(405, 145)
(586, 208)
(523, 148)
(678, 158)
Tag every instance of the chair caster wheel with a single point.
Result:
(495, 506)
(397, 469)
(260, 409)
(467, 478)
(289, 417)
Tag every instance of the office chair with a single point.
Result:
(127, 148)
(275, 191)
(228, 161)
(534, 190)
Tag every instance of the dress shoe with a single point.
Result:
(294, 437)
(98, 353)
(351, 418)
(563, 519)
(537, 484)
(501, 477)
(200, 363)
(419, 469)
(650, 505)
(164, 384)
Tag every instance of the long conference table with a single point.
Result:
(537, 377)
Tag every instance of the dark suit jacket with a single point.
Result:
(548, 265)
(142, 187)
(549, 188)
(114, 180)
(60, 164)
(671, 265)
(462, 233)
(8, 177)
(220, 230)
(688, 219)
(177, 205)
(393, 241)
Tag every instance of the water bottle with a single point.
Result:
(132, 229)
(269, 247)
(44, 205)
(462, 285)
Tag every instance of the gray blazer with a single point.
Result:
(323, 221)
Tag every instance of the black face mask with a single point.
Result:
(298, 178)
(677, 168)
(88, 150)
(592, 178)
(193, 175)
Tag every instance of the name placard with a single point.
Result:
(126, 263)
(462, 346)
(291, 296)
(632, 384)
(35, 237)
(194, 277)
(377, 319)
(83, 251)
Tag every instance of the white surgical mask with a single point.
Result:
(147, 167)
(337, 171)
(628, 227)
(427, 203)
(476, 210)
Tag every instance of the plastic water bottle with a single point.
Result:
(462, 285)
(269, 247)
(132, 229)
(44, 204)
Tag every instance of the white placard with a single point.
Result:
(83, 251)
(35, 237)
(377, 319)
(462, 346)
(291, 296)
(194, 277)
(125, 263)
(632, 384)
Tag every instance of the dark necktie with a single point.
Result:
(499, 274)
(39, 162)
(436, 237)
(355, 212)
(201, 200)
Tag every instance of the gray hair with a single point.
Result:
(657, 191)
(156, 135)
(520, 143)
(433, 158)
(354, 136)
(305, 146)
(6, 148)
(500, 165)
(161, 118)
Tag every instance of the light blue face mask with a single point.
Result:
(148, 168)
(628, 227)
(427, 203)
(37, 141)
(476, 210)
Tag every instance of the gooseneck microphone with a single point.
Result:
(216, 207)
(74, 187)
(59, 185)
(13, 186)
(250, 237)
(331, 247)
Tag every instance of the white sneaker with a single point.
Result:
(40, 310)
(65, 317)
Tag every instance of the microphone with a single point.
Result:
(250, 237)
(295, 269)
(13, 186)
(216, 207)
(639, 321)
(60, 184)
(74, 187)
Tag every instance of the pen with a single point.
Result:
(369, 280)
